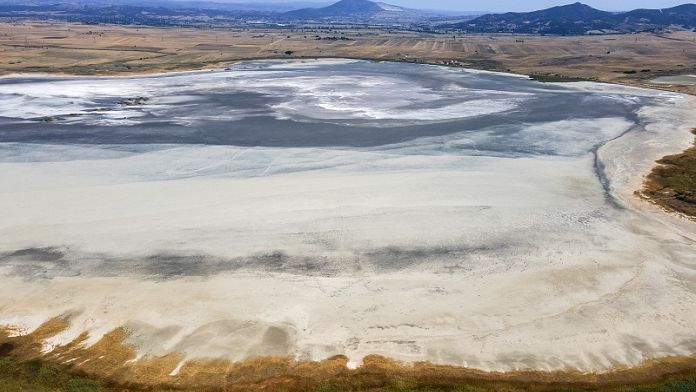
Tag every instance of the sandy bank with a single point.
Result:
(116, 364)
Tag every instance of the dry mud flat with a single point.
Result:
(243, 223)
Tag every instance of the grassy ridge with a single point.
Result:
(41, 376)
(683, 383)
(672, 184)
(556, 78)
(38, 376)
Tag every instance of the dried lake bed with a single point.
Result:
(316, 208)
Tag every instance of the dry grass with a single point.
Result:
(110, 365)
(89, 50)
(672, 183)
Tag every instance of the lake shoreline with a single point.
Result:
(646, 192)
(112, 363)
(303, 376)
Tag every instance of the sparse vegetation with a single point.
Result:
(41, 376)
(84, 50)
(38, 376)
(683, 383)
(672, 184)
(556, 78)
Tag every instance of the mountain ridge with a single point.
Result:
(578, 18)
(349, 9)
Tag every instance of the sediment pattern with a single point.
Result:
(316, 216)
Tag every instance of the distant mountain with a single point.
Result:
(217, 12)
(148, 13)
(578, 18)
(270, 6)
(569, 19)
(259, 6)
(682, 15)
(351, 9)
(572, 19)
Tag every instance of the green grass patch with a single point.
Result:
(681, 383)
(556, 78)
(39, 376)
(673, 183)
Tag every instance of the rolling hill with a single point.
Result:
(352, 9)
(578, 18)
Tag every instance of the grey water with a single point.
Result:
(231, 108)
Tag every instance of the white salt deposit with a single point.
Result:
(435, 248)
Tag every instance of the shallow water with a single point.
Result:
(347, 104)
(419, 212)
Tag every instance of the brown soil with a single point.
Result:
(633, 59)
(113, 362)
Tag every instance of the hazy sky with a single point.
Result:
(521, 5)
